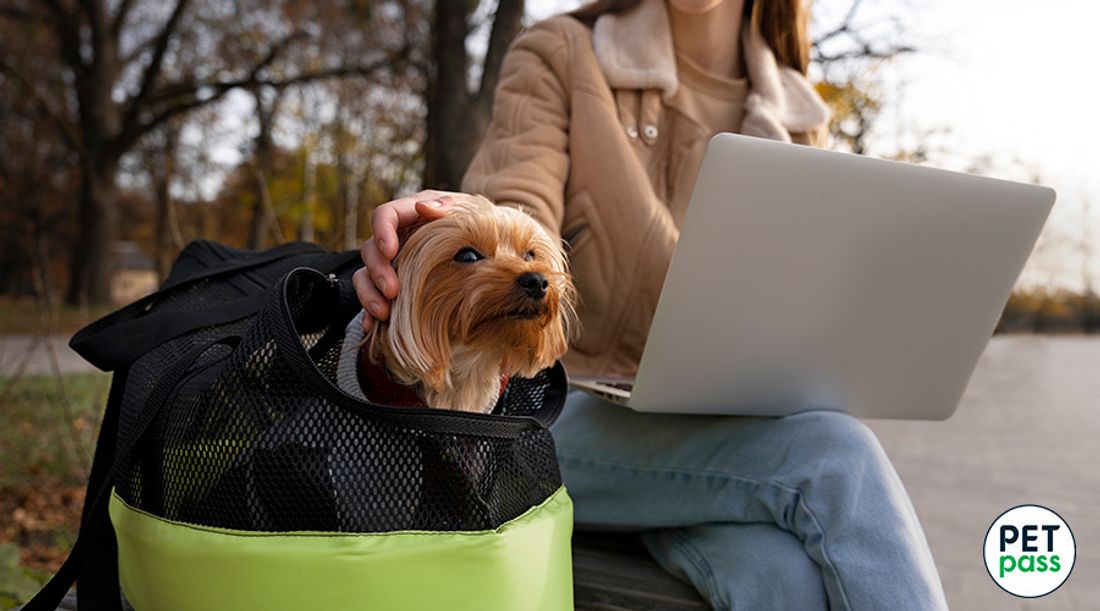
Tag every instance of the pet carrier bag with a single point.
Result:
(232, 473)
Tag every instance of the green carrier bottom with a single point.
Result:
(525, 564)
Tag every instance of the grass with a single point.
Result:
(48, 427)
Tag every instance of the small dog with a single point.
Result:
(485, 295)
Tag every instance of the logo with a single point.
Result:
(1029, 551)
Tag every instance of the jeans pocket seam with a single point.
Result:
(801, 502)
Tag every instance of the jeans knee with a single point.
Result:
(741, 566)
(843, 456)
(838, 434)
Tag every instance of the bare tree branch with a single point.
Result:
(133, 129)
(68, 40)
(120, 17)
(101, 40)
(864, 52)
(864, 49)
(850, 17)
(63, 125)
(22, 13)
(152, 71)
(183, 89)
(218, 90)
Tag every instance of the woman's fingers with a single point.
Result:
(379, 269)
(377, 283)
(385, 222)
(379, 251)
(376, 306)
(388, 218)
(433, 209)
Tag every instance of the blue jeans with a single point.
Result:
(798, 512)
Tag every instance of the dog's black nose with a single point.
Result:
(533, 283)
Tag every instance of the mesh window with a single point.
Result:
(243, 442)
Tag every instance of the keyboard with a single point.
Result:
(616, 391)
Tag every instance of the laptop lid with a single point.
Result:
(807, 279)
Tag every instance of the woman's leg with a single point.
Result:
(727, 563)
(821, 476)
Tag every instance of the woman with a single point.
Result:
(599, 124)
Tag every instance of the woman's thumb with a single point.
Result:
(431, 209)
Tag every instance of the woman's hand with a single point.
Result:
(376, 284)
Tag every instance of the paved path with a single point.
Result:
(15, 349)
(1027, 431)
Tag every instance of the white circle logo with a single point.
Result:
(1029, 551)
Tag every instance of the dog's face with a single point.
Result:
(484, 281)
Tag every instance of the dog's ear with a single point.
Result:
(411, 358)
(416, 347)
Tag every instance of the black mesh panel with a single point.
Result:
(242, 442)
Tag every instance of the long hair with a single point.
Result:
(783, 23)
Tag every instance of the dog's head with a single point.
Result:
(485, 280)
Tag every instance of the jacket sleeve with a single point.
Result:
(523, 160)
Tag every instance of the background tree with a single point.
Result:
(848, 52)
(36, 167)
(114, 87)
(160, 160)
(457, 115)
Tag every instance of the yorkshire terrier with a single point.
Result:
(485, 295)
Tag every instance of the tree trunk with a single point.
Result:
(166, 238)
(448, 148)
(348, 182)
(92, 264)
(257, 236)
(456, 118)
(263, 214)
(99, 121)
(309, 197)
(162, 238)
(351, 211)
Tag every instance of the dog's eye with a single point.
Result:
(468, 255)
(530, 256)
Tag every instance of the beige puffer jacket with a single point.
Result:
(582, 138)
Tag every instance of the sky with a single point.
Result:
(1012, 81)
(1016, 81)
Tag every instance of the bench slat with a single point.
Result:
(613, 572)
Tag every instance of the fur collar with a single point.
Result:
(634, 51)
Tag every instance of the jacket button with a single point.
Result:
(631, 131)
(650, 132)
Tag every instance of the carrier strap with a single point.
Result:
(93, 558)
(117, 339)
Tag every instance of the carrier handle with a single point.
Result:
(95, 523)
(122, 336)
(448, 422)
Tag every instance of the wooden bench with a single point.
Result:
(613, 572)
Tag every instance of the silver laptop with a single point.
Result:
(811, 279)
